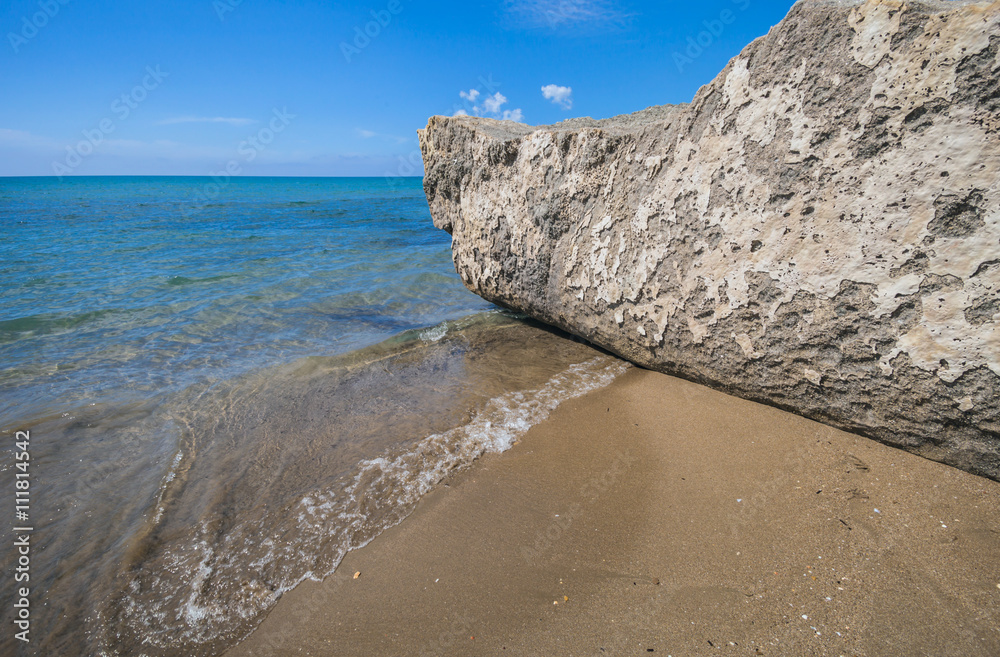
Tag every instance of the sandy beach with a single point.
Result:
(659, 516)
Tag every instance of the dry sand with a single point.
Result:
(658, 516)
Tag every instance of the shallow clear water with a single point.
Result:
(225, 398)
(123, 283)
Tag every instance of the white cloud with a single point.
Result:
(370, 134)
(492, 106)
(23, 153)
(560, 13)
(22, 139)
(234, 121)
(561, 96)
(493, 103)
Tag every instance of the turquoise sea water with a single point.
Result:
(111, 287)
(224, 397)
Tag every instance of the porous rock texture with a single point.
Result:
(819, 229)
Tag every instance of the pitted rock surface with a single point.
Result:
(819, 229)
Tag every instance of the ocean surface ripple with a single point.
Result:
(225, 398)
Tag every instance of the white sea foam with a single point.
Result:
(434, 333)
(216, 588)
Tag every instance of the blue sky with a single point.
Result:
(302, 87)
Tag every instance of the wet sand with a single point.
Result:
(658, 516)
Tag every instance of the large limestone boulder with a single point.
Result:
(818, 230)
